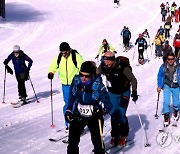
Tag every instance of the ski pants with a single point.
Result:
(65, 90)
(126, 42)
(177, 49)
(158, 50)
(119, 121)
(75, 130)
(21, 86)
(167, 91)
(167, 33)
(141, 56)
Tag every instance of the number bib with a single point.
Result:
(85, 110)
(140, 48)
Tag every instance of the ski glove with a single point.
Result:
(68, 116)
(50, 75)
(99, 113)
(134, 96)
(96, 56)
(9, 70)
(27, 75)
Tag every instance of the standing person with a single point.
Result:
(168, 79)
(104, 47)
(116, 3)
(146, 36)
(167, 27)
(164, 13)
(158, 46)
(67, 63)
(126, 34)
(167, 7)
(119, 78)
(19, 58)
(87, 93)
(162, 6)
(142, 45)
(166, 49)
(176, 16)
(176, 43)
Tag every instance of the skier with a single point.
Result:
(162, 6)
(19, 58)
(167, 27)
(164, 13)
(146, 36)
(119, 78)
(67, 63)
(166, 49)
(167, 7)
(104, 47)
(176, 43)
(142, 45)
(87, 93)
(158, 45)
(176, 16)
(116, 3)
(168, 79)
(126, 34)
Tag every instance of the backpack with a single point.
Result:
(73, 52)
(124, 61)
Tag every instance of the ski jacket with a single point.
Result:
(166, 50)
(142, 43)
(84, 98)
(119, 78)
(66, 68)
(19, 62)
(176, 42)
(157, 41)
(126, 34)
(103, 49)
(167, 25)
(164, 77)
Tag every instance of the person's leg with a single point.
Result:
(65, 90)
(166, 99)
(175, 98)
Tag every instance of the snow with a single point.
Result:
(39, 27)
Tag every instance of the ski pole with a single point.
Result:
(52, 118)
(147, 55)
(33, 89)
(4, 86)
(147, 144)
(100, 131)
(134, 53)
(156, 115)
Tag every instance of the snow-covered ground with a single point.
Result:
(39, 27)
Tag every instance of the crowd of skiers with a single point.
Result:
(86, 97)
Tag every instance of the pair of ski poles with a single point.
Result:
(4, 91)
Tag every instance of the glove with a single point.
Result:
(98, 113)
(134, 96)
(145, 47)
(9, 70)
(26, 75)
(50, 75)
(68, 116)
(96, 56)
(115, 52)
(5, 62)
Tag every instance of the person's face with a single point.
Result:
(85, 76)
(16, 53)
(170, 60)
(104, 43)
(109, 63)
(65, 54)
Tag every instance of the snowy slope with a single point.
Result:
(39, 27)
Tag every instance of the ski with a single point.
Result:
(19, 104)
(58, 139)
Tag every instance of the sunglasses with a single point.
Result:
(65, 52)
(83, 75)
(170, 59)
(109, 58)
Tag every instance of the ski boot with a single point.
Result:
(166, 120)
(175, 115)
(114, 141)
(122, 141)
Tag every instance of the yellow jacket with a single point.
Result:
(101, 49)
(66, 68)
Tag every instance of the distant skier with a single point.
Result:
(116, 3)
(166, 49)
(176, 43)
(19, 58)
(146, 36)
(142, 45)
(167, 27)
(126, 34)
(168, 79)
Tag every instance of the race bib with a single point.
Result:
(140, 48)
(85, 110)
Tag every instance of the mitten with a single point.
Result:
(98, 113)
(50, 75)
(134, 96)
(68, 115)
(9, 70)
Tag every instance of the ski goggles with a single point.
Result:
(109, 58)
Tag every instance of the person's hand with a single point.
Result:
(158, 89)
(68, 116)
(9, 70)
(50, 75)
(134, 96)
(99, 113)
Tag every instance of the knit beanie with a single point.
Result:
(88, 67)
(16, 48)
(64, 46)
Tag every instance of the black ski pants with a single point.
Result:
(76, 128)
(21, 86)
(141, 56)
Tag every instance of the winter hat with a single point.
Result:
(64, 46)
(166, 42)
(16, 48)
(88, 67)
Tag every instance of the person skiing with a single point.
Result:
(168, 79)
(67, 63)
(142, 45)
(126, 34)
(19, 58)
(167, 27)
(146, 36)
(164, 13)
(119, 78)
(104, 47)
(166, 49)
(176, 16)
(176, 43)
(162, 6)
(87, 93)
(158, 46)
(116, 3)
